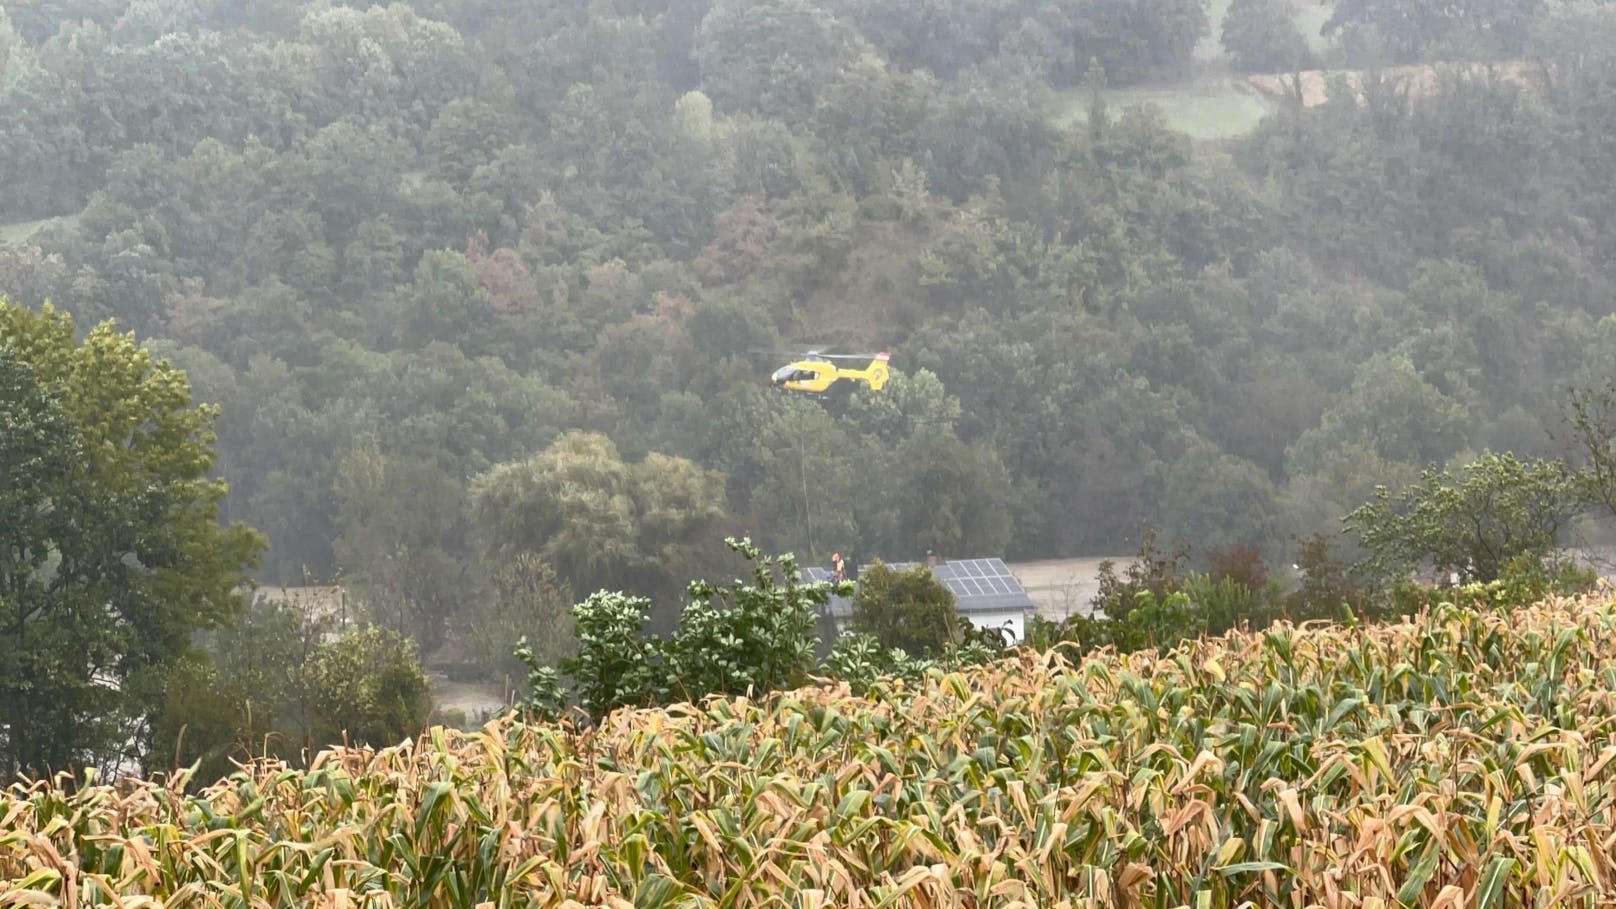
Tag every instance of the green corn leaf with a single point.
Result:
(1490, 888)
(1420, 874)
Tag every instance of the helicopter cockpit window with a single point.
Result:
(787, 374)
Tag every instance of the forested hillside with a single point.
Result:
(486, 276)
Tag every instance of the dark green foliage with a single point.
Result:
(1327, 585)
(286, 682)
(1260, 36)
(1474, 523)
(743, 638)
(769, 57)
(1134, 39)
(367, 685)
(1154, 571)
(112, 554)
(908, 610)
(953, 498)
(1402, 31)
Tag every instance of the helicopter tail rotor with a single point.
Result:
(878, 373)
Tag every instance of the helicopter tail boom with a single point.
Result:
(876, 374)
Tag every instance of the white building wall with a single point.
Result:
(1014, 620)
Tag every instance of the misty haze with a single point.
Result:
(373, 369)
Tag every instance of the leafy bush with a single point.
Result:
(1154, 570)
(1228, 602)
(1524, 579)
(368, 685)
(1474, 524)
(910, 610)
(617, 663)
(1154, 604)
(1328, 585)
(736, 639)
(861, 661)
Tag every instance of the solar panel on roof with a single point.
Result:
(983, 585)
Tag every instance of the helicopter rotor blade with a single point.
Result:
(810, 353)
(794, 350)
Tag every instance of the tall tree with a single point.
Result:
(519, 596)
(1261, 37)
(1590, 415)
(953, 498)
(1476, 523)
(401, 533)
(115, 554)
(603, 523)
(771, 57)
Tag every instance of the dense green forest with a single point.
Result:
(483, 284)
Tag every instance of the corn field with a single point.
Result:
(1466, 757)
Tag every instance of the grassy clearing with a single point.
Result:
(1463, 758)
(19, 231)
(1214, 103)
(1209, 107)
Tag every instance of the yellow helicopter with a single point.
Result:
(815, 373)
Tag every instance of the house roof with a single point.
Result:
(979, 586)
